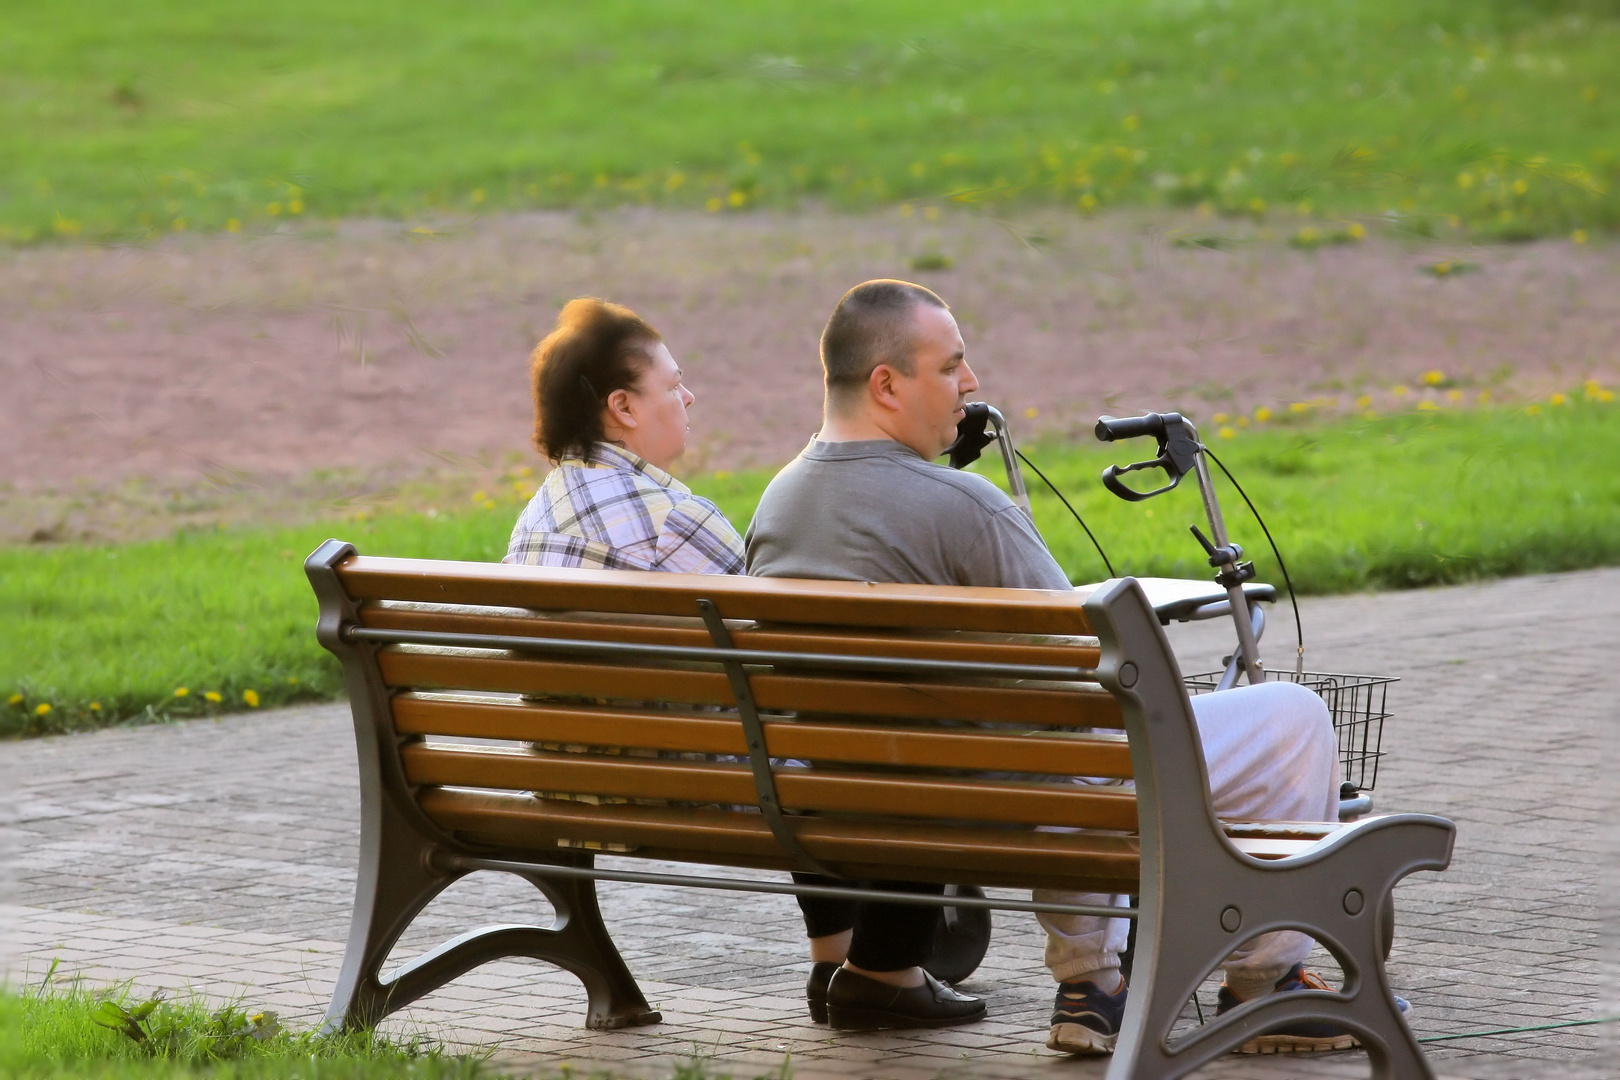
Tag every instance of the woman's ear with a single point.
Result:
(619, 411)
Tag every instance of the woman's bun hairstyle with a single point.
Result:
(597, 348)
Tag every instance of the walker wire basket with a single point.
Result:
(1357, 705)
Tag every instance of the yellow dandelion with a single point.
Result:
(1399, 390)
(233, 225)
(1579, 236)
(1605, 395)
(1453, 395)
(15, 699)
(931, 213)
(736, 199)
(179, 224)
(213, 697)
(480, 495)
(295, 206)
(1243, 421)
(1031, 413)
(1370, 414)
(1219, 418)
(1257, 205)
(1433, 378)
(292, 681)
(676, 179)
(1427, 406)
(1299, 407)
(42, 709)
(1226, 433)
(1262, 414)
(1132, 122)
(1356, 231)
(251, 698)
(1533, 410)
(1088, 203)
(1363, 401)
(713, 205)
(1558, 399)
(723, 474)
(1465, 180)
(1590, 387)
(95, 706)
(906, 209)
(1520, 186)
(489, 504)
(181, 691)
(478, 196)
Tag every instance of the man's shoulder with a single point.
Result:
(948, 489)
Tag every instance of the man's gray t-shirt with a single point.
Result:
(876, 511)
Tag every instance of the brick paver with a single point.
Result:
(218, 856)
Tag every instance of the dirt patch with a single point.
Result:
(369, 353)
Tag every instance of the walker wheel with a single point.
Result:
(961, 938)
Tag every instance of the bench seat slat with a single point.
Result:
(1087, 861)
(1095, 754)
(956, 798)
(776, 600)
(691, 633)
(1071, 705)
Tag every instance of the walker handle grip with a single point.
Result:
(1112, 428)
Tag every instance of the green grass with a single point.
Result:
(77, 1033)
(1494, 117)
(94, 635)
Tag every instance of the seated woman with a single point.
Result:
(610, 414)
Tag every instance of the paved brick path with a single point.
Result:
(218, 856)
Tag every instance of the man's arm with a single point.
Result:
(1010, 554)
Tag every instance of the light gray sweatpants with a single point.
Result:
(1272, 756)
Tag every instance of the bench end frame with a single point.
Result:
(402, 865)
(1201, 897)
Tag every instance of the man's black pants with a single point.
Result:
(888, 937)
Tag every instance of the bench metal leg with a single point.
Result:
(1334, 894)
(395, 887)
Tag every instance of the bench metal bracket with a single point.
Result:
(759, 758)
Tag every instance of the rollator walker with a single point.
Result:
(1357, 703)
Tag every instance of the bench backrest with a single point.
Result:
(940, 732)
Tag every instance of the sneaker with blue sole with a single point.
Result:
(1085, 1020)
(1302, 1036)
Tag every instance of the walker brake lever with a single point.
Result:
(1178, 449)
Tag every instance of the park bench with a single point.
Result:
(527, 719)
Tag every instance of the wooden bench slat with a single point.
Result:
(1085, 861)
(975, 649)
(1102, 755)
(956, 798)
(775, 600)
(1076, 705)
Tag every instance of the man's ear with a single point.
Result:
(619, 410)
(881, 385)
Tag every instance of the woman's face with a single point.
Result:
(650, 419)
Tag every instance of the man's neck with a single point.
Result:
(836, 427)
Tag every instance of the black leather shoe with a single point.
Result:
(857, 1003)
(815, 990)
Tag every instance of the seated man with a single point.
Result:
(864, 502)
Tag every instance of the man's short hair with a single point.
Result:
(872, 325)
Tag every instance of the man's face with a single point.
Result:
(930, 400)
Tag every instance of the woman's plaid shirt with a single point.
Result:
(618, 512)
